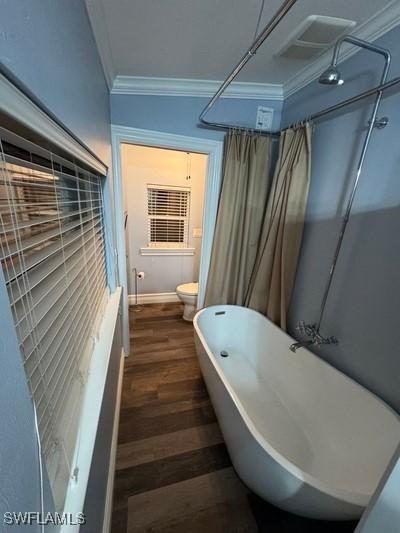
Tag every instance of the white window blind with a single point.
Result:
(168, 216)
(52, 255)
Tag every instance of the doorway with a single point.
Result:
(163, 195)
(212, 149)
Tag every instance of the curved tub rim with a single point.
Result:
(356, 498)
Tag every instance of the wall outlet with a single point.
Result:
(265, 116)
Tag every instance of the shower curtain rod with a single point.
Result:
(279, 15)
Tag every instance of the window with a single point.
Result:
(168, 216)
(52, 255)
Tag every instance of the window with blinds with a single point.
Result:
(168, 216)
(53, 259)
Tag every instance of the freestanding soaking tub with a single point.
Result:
(300, 434)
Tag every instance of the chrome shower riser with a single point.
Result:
(373, 122)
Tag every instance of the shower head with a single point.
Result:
(331, 76)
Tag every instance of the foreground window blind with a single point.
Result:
(52, 254)
(168, 216)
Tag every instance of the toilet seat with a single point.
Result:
(191, 289)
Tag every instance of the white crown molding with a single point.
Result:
(138, 85)
(382, 22)
(95, 10)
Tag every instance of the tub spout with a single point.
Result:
(302, 344)
(315, 337)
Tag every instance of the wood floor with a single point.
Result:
(173, 470)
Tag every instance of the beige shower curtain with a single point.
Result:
(245, 187)
(274, 270)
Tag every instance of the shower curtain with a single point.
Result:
(245, 186)
(260, 223)
(273, 275)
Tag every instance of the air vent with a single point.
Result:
(314, 36)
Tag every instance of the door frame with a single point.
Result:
(210, 147)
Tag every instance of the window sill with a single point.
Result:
(91, 410)
(154, 250)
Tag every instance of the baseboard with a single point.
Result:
(113, 452)
(153, 298)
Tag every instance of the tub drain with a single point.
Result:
(224, 353)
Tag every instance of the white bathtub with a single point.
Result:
(300, 434)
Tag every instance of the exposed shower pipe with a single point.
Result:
(354, 99)
(331, 76)
(366, 46)
(334, 72)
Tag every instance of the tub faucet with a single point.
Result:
(315, 337)
(301, 344)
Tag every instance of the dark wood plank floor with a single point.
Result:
(173, 470)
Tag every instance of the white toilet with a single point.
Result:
(187, 293)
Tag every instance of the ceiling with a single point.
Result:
(204, 39)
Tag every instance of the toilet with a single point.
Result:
(187, 293)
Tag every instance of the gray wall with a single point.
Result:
(175, 114)
(48, 45)
(362, 310)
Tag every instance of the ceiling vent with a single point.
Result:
(314, 35)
